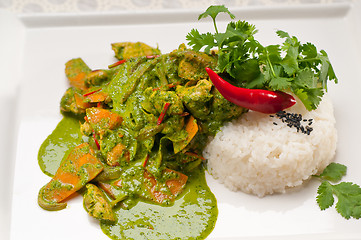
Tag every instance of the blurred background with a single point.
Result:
(71, 6)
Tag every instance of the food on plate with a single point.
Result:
(294, 68)
(133, 135)
(271, 153)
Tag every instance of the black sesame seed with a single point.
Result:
(295, 120)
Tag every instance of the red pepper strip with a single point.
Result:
(195, 155)
(162, 114)
(259, 100)
(145, 161)
(95, 140)
(170, 85)
(90, 93)
(117, 63)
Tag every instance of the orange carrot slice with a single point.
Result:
(102, 118)
(192, 129)
(74, 172)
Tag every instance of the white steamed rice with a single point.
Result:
(254, 155)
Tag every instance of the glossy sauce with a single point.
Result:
(192, 216)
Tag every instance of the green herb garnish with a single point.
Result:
(348, 194)
(292, 66)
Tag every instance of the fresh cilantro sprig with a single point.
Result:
(292, 66)
(348, 194)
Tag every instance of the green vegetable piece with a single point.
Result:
(131, 81)
(96, 204)
(108, 173)
(149, 131)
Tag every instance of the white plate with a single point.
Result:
(38, 46)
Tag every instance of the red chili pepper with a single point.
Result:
(259, 100)
(117, 63)
(162, 114)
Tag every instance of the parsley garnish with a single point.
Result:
(292, 66)
(348, 194)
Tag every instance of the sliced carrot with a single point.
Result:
(74, 172)
(115, 154)
(102, 118)
(192, 129)
(97, 97)
(175, 186)
(80, 103)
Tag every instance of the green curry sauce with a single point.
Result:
(65, 137)
(131, 140)
(192, 216)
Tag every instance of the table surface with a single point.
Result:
(74, 6)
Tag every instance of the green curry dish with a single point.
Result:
(146, 122)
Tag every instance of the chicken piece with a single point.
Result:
(97, 205)
(125, 50)
(196, 98)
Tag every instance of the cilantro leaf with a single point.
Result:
(213, 11)
(310, 97)
(305, 79)
(325, 197)
(333, 172)
(349, 199)
(326, 69)
(280, 83)
(198, 41)
(348, 194)
(309, 50)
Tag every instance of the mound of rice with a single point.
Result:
(260, 154)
